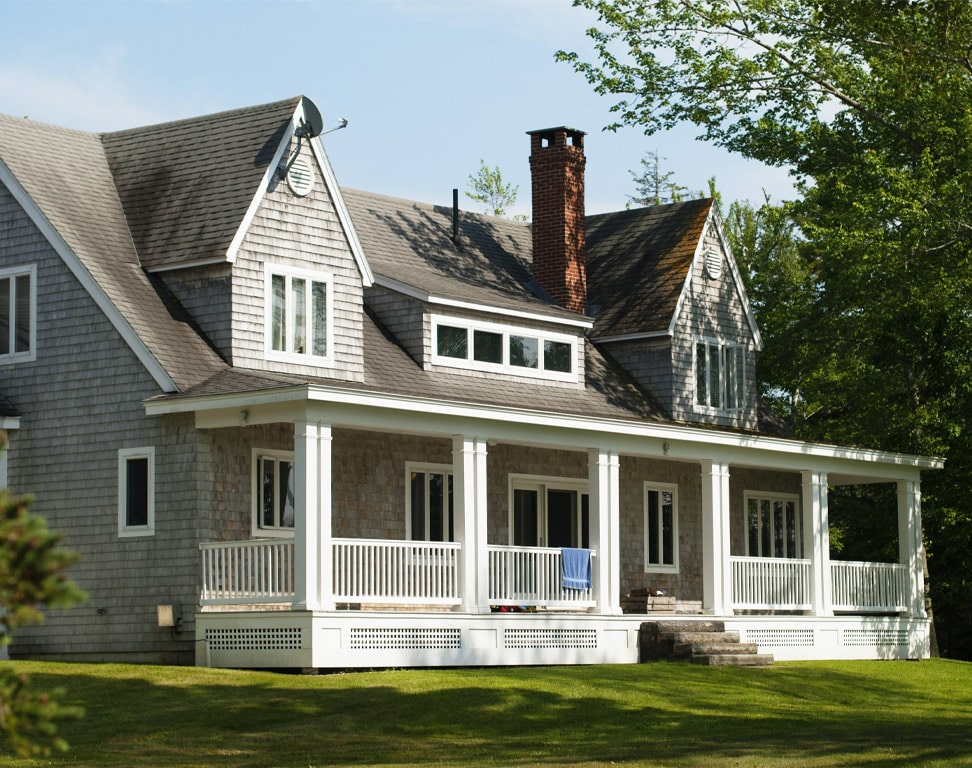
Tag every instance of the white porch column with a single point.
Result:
(469, 494)
(816, 537)
(716, 568)
(313, 555)
(910, 545)
(605, 539)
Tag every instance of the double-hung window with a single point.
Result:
(485, 346)
(429, 502)
(661, 527)
(773, 525)
(18, 313)
(719, 375)
(299, 316)
(273, 493)
(136, 492)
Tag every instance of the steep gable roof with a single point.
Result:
(637, 264)
(62, 179)
(187, 185)
(409, 246)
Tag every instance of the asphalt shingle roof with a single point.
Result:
(411, 243)
(637, 264)
(186, 185)
(66, 174)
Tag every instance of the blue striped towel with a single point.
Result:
(575, 568)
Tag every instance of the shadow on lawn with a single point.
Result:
(662, 714)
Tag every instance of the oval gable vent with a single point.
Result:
(300, 177)
(713, 264)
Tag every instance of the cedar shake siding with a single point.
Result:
(305, 234)
(81, 401)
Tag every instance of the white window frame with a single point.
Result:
(260, 531)
(542, 484)
(660, 488)
(437, 469)
(124, 456)
(288, 355)
(724, 348)
(773, 497)
(12, 273)
(506, 331)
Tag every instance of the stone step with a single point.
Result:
(683, 625)
(684, 650)
(700, 637)
(734, 660)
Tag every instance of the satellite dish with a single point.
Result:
(312, 123)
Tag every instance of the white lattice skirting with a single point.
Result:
(294, 639)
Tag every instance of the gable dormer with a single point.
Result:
(239, 216)
(671, 308)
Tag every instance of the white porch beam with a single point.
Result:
(910, 546)
(470, 523)
(313, 555)
(816, 535)
(605, 516)
(717, 568)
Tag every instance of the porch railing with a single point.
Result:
(764, 583)
(247, 572)
(869, 587)
(396, 572)
(531, 576)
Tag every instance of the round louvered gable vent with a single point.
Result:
(300, 177)
(713, 264)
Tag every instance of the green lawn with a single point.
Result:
(793, 714)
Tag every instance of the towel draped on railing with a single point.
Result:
(575, 568)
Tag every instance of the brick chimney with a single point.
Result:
(557, 168)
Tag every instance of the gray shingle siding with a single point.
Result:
(80, 403)
(206, 294)
(713, 309)
(649, 362)
(404, 317)
(302, 233)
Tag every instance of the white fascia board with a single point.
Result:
(344, 216)
(715, 219)
(374, 410)
(262, 188)
(442, 301)
(87, 280)
(10, 422)
(188, 265)
(632, 337)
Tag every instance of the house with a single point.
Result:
(288, 424)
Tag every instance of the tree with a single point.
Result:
(867, 102)
(487, 187)
(32, 576)
(653, 186)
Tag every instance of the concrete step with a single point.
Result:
(734, 660)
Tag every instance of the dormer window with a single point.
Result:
(474, 345)
(719, 375)
(299, 312)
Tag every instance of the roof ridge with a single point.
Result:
(182, 121)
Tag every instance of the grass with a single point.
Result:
(793, 714)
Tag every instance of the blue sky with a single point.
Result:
(429, 87)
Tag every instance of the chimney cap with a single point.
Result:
(544, 132)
